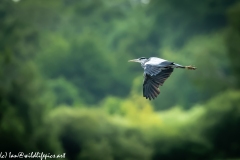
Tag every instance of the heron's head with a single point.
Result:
(139, 60)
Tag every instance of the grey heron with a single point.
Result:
(156, 71)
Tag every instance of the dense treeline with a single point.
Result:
(66, 86)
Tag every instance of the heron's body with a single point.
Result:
(156, 71)
(155, 61)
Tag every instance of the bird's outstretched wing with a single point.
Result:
(157, 68)
(151, 83)
(152, 70)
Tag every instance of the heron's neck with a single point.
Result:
(143, 63)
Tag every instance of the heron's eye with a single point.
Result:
(142, 58)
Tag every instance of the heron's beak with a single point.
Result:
(134, 60)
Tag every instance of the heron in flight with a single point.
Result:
(156, 71)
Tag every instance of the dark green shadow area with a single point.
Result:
(66, 86)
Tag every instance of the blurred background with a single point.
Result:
(66, 85)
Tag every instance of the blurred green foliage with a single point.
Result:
(66, 86)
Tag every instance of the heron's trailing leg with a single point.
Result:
(185, 67)
(190, 67)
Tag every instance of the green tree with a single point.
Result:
(22, 104)
(233, 40)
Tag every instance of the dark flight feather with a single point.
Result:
(151, 83)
